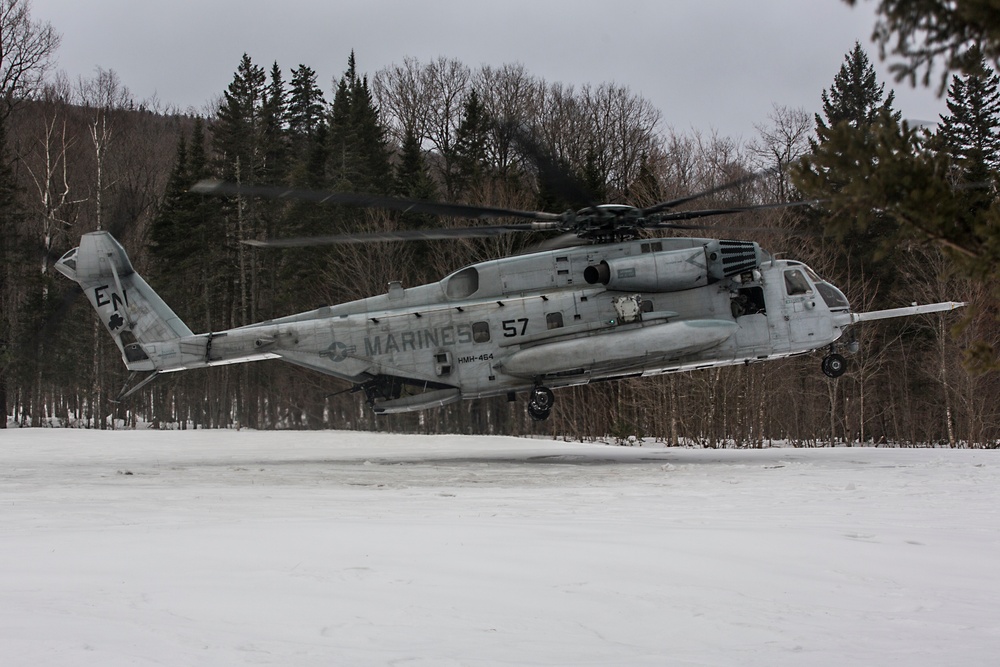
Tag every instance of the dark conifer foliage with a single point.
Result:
(305, 103)
(359, 153)
(970, 132)
(10, 213)
(468, 163)
(854, 107)
(856, 97)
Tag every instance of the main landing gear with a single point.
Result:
(540, 403)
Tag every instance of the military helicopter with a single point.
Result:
(612, 304)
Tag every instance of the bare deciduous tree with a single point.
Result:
(104, 96)
(26, 51)
(782, 141)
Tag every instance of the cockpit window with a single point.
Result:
(796, 283)
(833, 297)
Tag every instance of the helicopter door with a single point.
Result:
(805, 321)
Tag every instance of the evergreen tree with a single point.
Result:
(469, 160)
(359, 155)
(237, 135)
(305, 103)
(855, 110)
(166, 231)
(274, 121)
(184, 240)
(970, 133)
(856, 97)
(307, 130)
(884, 186)
(10, 214)
(412, 177)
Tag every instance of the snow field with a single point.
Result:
(320, 548)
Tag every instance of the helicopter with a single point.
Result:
(606, 302)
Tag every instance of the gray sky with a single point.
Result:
(706, 64)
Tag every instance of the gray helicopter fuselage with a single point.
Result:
(551, 318)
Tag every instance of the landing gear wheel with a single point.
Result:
(537, 414)
(834, 365)
(540, 403)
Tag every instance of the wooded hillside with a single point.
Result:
(85, 155)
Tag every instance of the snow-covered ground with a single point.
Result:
(335, 548)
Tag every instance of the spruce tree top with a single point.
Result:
(856, 96)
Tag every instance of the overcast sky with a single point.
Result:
(708, 65)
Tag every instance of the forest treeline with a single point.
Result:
(85, 155)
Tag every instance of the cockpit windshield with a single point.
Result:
(832, 296)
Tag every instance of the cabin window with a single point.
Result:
(655, 246)
(646, 306)
(463, 284)
(796, 283)
(480, 332)
(554, 320)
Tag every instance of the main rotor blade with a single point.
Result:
(551, 174)
(660, 222)
(487, 231)
(674, 203)
(211, 187)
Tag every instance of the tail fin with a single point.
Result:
(131, 311)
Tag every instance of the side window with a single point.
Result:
(481, 332)
(796, 283)
(553, 320)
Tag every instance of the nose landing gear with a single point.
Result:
(834, 365)
(540, 403)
